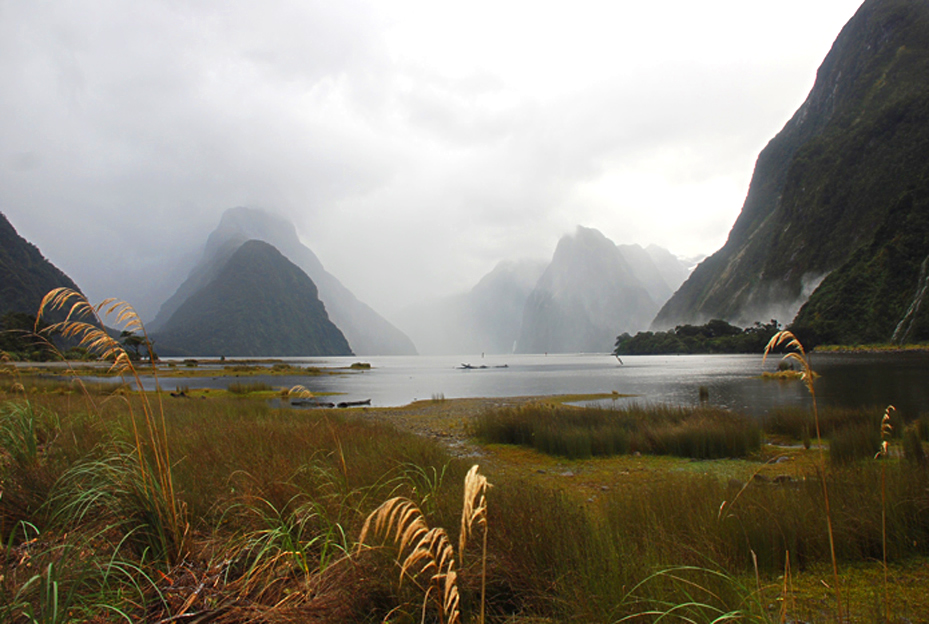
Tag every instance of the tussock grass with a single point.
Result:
(796, 354)
(795, 422)
(25, 429)
(854, 442)
(273, 498)
(922, 428)
(245, 388)
(913, 447)
(578, 433)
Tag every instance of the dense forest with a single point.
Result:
(716, 336)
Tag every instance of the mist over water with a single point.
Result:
(733, 381)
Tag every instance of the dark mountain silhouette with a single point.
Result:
(367, 332)
(25, 275)
(851, 163)
(256, 303)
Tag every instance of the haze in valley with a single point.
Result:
(413, 144)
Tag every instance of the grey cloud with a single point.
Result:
(126, 128)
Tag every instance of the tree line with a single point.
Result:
(716, 336)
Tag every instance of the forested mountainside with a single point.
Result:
(830, 190)
(879, 295)
(25, 275)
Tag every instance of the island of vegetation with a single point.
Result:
(716, 336)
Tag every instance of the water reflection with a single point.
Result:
(732, 381)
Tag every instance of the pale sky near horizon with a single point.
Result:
(414, 144)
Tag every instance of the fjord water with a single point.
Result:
(733, 381)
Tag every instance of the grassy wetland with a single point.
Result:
(123, 505)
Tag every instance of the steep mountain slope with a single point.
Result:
(880, 294)
(484, 320)
(827, 182)
(367, 332)
(657, 269)
(586, 297)
(258, 303)
(25, 275)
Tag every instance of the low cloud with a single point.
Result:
(435, 140)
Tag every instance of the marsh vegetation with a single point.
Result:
(270, 532)
(120, 506)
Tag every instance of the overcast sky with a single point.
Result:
(413, 143)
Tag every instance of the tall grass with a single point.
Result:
(84, 323)
(580, 433)
(886, 431)
(244, 388)
(853, 443)
(796, 353)
(794, 422)
(271, 521)
(273, 498)
(25, 429)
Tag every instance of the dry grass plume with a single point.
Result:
(427, 553)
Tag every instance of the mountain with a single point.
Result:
(879, 295)
(257, 303)
(658, 270)
(829, 181)
(590, 292)
(367, 332)
(25, 275)
(486, 319)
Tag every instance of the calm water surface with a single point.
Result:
(733, 381)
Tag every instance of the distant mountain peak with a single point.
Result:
(592, 291)
(580, 300)
(367, 331)
(258, 303)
